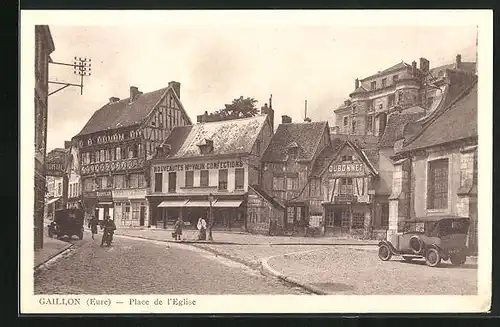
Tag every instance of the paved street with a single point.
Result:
(132, 266)
(345, 270)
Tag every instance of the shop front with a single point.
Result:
(130, 207)
(347, 215)
(104, 205)
(89, 202)
(228, 211)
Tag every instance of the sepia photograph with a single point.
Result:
(248, 161)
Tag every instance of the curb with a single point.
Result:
(54, 258)
(249, 264)
(268, 271)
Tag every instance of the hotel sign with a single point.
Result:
(347, 169)
(199, 166)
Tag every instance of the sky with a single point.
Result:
(216, 64)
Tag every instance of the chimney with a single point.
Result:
(113, 99)
(177, 87)
(458, 60)
(134, 92)
(414, 68)
(307, 120)
(356, 84)
(286, 119)
(424, 65)
(265, 110)
(202, 118)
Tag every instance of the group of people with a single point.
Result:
(108, 226)
(201, 226)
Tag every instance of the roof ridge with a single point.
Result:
(459, 97)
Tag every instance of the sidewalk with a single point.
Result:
(239, 238)
(51, 248)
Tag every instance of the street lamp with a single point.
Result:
(210, 217)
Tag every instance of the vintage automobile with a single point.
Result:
(67, 222)
(434, 238)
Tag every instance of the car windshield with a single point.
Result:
(450, 226)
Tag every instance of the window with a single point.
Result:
(373, 85)
(134, 181)
(118, 181)
(292, 153)
(97, 159)
(278, 183)
(346, 158)
(400, 97)
(172, 182)
(353, 126)
(88, 184)
(112, 154)
(223, 179)
(204, 178)
(189, 179)
(346, 185)
(106, 155)
(257, 146)
(136, 209)
(346, 121)
(437, 184)
(127, 211)
(160, 119)
(354, 110)
(358, 220)
(391, 100)
(158, 182)
(369, 123)
(381, 106)
(384, 215)
(384, 82)
(290, 213)
(292, 183)
(395, 78)
(118, 154)
(239, 180)
(102, 156)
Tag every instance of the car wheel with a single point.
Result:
(407, 258)
(416, 244)
(384, 253)
(432, 257)
(458, 259)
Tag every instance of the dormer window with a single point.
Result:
(206, 146)
(354, 110)
(292, 151)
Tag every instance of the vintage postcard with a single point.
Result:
(256, 161)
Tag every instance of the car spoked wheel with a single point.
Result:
(384, 253)
(432, 257)
(416, 244)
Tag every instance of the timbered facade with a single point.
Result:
(287, 165)
(115, 147)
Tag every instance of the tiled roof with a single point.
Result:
(360, 89)
(122, 113)
(235, 136)
(458, 121)
(395, 127)
(397, 66)
(362, 141)
(56, 155)
(306, 135)
(469, 67)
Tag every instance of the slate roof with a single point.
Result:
(465, 66)
(306, 135)
(397, 66)
(56, 155)
(360, 89)
(363, 141)
(236, 136)
(395, 127)
(458, 121)
(122, 113)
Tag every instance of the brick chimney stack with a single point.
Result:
(424, 65)
(356, 84)
(134, 92)
(177, 87)
(114, 99)
(286, 119)
(458, 60)
(414, 68)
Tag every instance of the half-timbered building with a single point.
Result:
(115, 146)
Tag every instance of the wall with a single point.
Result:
(385, 170)
(260, 213)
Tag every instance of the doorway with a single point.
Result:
(142, 215)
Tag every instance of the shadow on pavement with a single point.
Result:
(446, 265)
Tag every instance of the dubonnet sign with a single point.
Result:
(347, 169)
(199, 166)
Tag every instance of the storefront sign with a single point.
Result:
(129, 194)
(104, 194)
(344, 198)
(364, 198)
(199, 166)
(89, 194)
(346, 169)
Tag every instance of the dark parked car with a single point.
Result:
(434, 238)
(67, 222)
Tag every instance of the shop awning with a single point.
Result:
(198, 204)
(227, 203)
(52, 200)
(172, 204)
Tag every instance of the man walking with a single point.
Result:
(93, 226)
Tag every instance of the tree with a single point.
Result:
(239, 108)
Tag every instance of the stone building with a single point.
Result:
(287, 165)
(44, 46)
(208, 166)
(114, 148)
(55, 175)
(402, 87)
(436, 166)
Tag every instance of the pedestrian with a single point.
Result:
(109, 230)
(202, 227)
(178, 229)
(93, 226)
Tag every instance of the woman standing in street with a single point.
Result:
(178, 229)
(202, 227)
